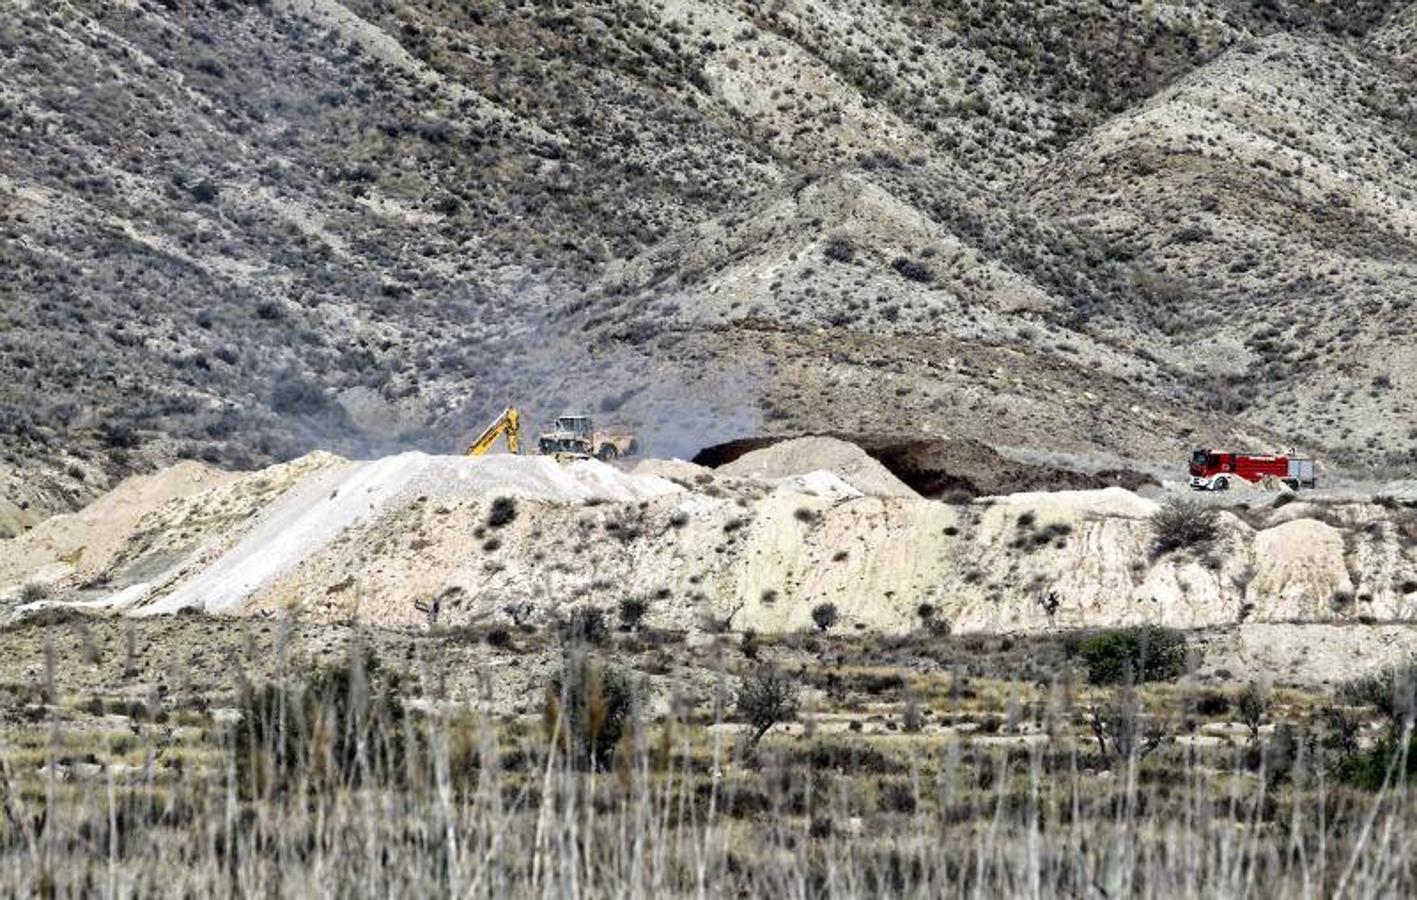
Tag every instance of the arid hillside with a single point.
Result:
(242, 229)
(761, 543)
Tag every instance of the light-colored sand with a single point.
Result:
(803, 456)
(304, 521)
(673, 469)
(87, 542)
(1112, 501)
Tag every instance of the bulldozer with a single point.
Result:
(572, 437)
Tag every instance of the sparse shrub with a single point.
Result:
(1137, 654)
(839, 249)
(913, 270)
(749, 646)
(116, 434)
(587, 708)
(586, 626)
(1183, 524)
(767, 696)
(845, 756)
(503, 512)
(824, 616)
(912, 718)
(632, 612)
(33, 592)
(204, 191)
(336, 728)
(898, 797)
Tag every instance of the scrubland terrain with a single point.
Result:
(792, 672)
(242, 230)
(937, 297)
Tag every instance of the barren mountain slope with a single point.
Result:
(1272, 196)
(237, 230)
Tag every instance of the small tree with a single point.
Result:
(765, 698)
(1253, 704)
(824, 616)
(1122, 729)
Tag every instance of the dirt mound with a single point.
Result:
(720, 455)
(88, 541)
(941, 467)
(802, 456)
(305, 521)
(327, 539)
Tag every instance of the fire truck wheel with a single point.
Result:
(1222, 484)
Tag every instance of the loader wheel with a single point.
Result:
(608, 452)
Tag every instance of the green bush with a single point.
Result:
(1137, 654)
(587, 708)
(632, 612)
(502, 512)
(824, 616)
(1368, 769)
(1183, 525)
(1392, 692)
(333, 729)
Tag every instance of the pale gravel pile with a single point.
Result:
(320, 509)
(1111, 501)
(803, 456)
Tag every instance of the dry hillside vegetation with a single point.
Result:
(238, 230)
(615, 757)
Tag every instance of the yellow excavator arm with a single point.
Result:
(509, 423)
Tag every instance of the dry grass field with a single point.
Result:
(186, 756)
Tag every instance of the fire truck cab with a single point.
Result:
(1213, 470)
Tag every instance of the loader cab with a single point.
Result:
(577, 425)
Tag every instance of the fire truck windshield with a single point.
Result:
(1199, 458)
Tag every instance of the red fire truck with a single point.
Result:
(1214, 470)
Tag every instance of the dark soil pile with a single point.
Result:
(941, 468)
